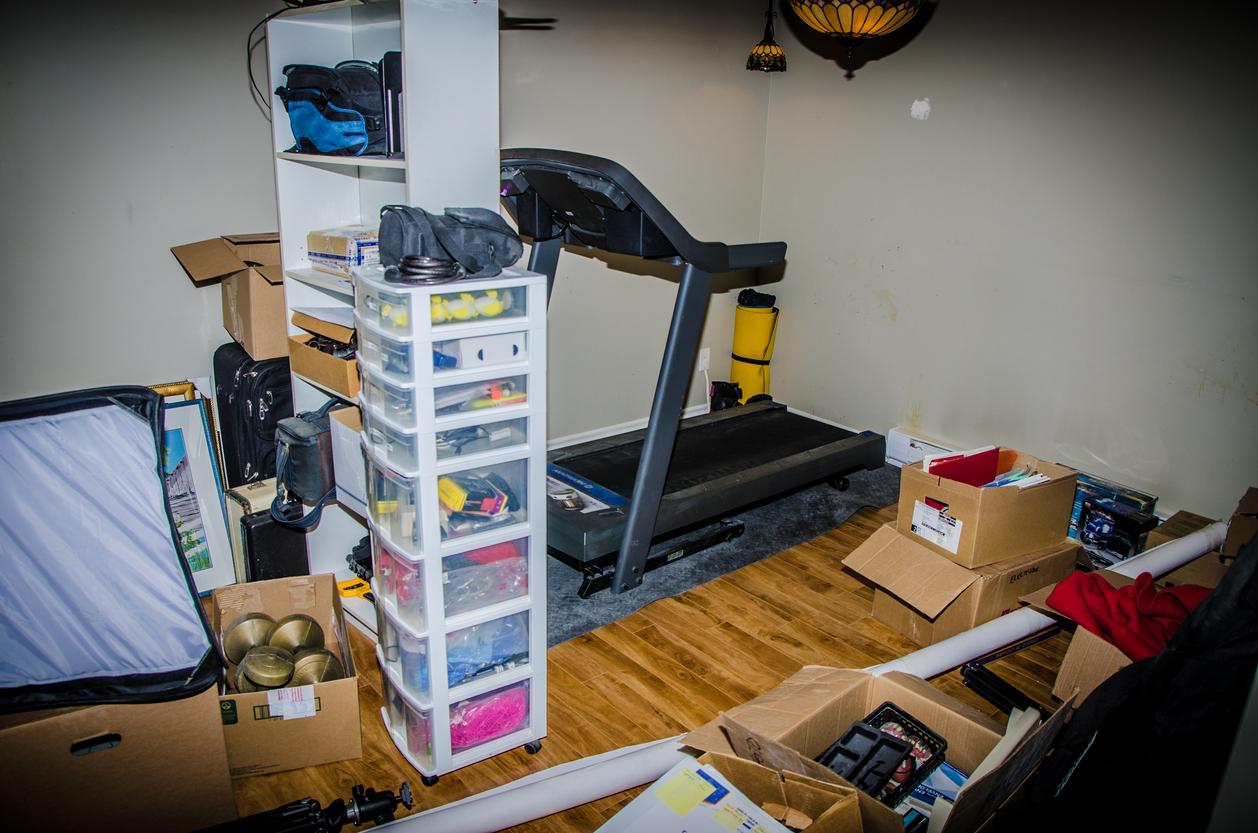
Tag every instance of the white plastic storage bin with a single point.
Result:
(480, 720)
(409, 723)
(482, 499)
(404, 653)
(393, 506)
(478, 578)
(487, 648)
(399, 582)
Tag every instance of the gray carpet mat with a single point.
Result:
(770, 528)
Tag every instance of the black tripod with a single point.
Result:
(306, 816)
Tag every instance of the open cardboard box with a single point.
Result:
(259, 739)
(1243, 525)
(1091, 660)
(929, 598)
(787, 727)
(153, 766)
(248, 268)
(337, 375)
(981, 526)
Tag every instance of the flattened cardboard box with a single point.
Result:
(987, 525)
(259, 742)
(167, 771)
(787, 727)
(928, 598)
(248, 268)
(348, 464)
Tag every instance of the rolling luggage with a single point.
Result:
(251, 398)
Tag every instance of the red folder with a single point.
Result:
(974, 468)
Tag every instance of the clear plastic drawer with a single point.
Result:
(465, 397)
(399, 580)
(404, 652)
(479, 351)
(393, 506)
(396, 403)
(478, 305)
(477, 438)
(481, 499)
(487, 717)
(398, 448)
(409, 720)
(487, 648)
(485, 576)
(390, 358)
(386, 309)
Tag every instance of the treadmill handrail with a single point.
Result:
(709, 257)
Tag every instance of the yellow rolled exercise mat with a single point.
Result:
(755, 325)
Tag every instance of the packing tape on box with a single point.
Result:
(552, 790)
(754, 331)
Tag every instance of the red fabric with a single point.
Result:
(1139, 619)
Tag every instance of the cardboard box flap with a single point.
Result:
(272, 273)
(755, 747)
(311, 319)
(207, 261)
(1249, 503)
(979, 800)
(259, 237)
(777, 712)
(919, 577)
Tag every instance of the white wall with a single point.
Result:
(660, 87)
(129, 129)
(1061, 258)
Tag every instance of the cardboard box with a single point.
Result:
(787, 727)
(337, 375)
(1207, 570)
(1243, 525)
(259, 739)
(165, 770)
(981, 526)
(1091, 660)
(248, 268)
(338, 250)
(928, 598)
(347, 454)
(324, 327)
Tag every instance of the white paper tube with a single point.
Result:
(974, 643)
(550, 791)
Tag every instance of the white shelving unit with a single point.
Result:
(451, 147)
(450, 94)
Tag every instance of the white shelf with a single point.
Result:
(397, 162)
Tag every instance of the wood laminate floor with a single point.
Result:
(664, 670)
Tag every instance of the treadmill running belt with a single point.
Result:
(708, 452)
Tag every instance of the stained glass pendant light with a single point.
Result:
(767, 56)
(855, 21)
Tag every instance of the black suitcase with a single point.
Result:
(251, 397)
(272, 549)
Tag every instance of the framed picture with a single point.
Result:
(196, 494)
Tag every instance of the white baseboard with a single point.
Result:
(612, 430)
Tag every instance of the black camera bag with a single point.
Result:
(476, 238)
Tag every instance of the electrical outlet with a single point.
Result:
(705, 356)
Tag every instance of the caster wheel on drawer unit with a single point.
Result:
(533, 747)
(429, 780)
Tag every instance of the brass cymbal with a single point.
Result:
(295, 633)
(244, 685)
(317, 665)
(268, 666)
(245, 632)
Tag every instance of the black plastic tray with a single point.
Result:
(870, 751)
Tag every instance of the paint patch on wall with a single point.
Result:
(886, 296)
(920, 109)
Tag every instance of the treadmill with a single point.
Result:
(673, 482)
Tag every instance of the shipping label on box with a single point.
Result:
(339, 250)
